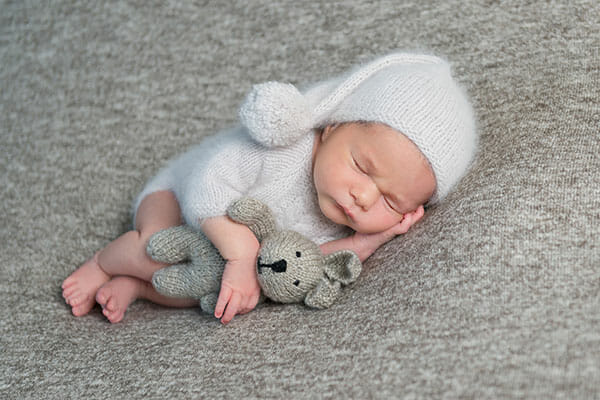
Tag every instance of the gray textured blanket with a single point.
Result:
(494, 294)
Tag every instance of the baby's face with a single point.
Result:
(367, 176)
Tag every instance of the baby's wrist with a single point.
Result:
(367, 244)
(247, 256)
(361, 246)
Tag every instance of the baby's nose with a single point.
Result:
(365, 196)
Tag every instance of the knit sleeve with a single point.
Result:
(227, 167)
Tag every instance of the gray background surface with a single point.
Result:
(495, 294)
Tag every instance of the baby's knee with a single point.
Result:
(139, 258)
(144, 235)
(137, 241)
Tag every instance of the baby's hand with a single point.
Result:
(369, 242)
(239, 289)
(239, 286)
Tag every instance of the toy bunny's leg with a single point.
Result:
(173, 245)
(187, 280)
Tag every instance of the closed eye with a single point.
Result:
(357, 165)
(391, 205)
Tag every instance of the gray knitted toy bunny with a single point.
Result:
(290, 267)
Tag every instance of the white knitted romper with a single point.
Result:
(225, 167)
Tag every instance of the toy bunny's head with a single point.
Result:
(291, 267)
(288, 266)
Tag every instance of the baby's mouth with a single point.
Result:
(346, 211)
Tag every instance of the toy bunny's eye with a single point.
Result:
(298, 254)
(296, 283)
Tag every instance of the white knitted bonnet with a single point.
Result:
(412, 93)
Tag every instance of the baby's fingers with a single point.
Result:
(224, 296)
(409, 220)
(232, 307)
(404, 225)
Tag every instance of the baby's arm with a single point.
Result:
(364, 244)
(239, 287)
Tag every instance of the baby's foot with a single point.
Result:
(79, 289)
(116, 295)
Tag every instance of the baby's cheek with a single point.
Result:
(331, 212)
(384, 220)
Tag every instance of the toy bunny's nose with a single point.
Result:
(278, 266)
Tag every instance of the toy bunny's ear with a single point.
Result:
(342, 268)
(254, 214)
(324, 294)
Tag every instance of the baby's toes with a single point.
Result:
(76, 299)
(106, 297)
(81, 308)
(69, 282)
(70, 292)
(111, 305)
(113, 316)
(102, 297)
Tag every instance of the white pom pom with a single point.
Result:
(276, 114)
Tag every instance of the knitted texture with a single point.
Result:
(495, 294)
(290, 267)
(302, 266)
(286, 111)
(414, 94)
(255, 215)
(199, 269)
(228, 166)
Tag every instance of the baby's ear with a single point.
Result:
(254, 214)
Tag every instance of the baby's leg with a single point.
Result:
(121, 291)
(124, 256)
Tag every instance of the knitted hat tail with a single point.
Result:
(277, 114)
(361, 74)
